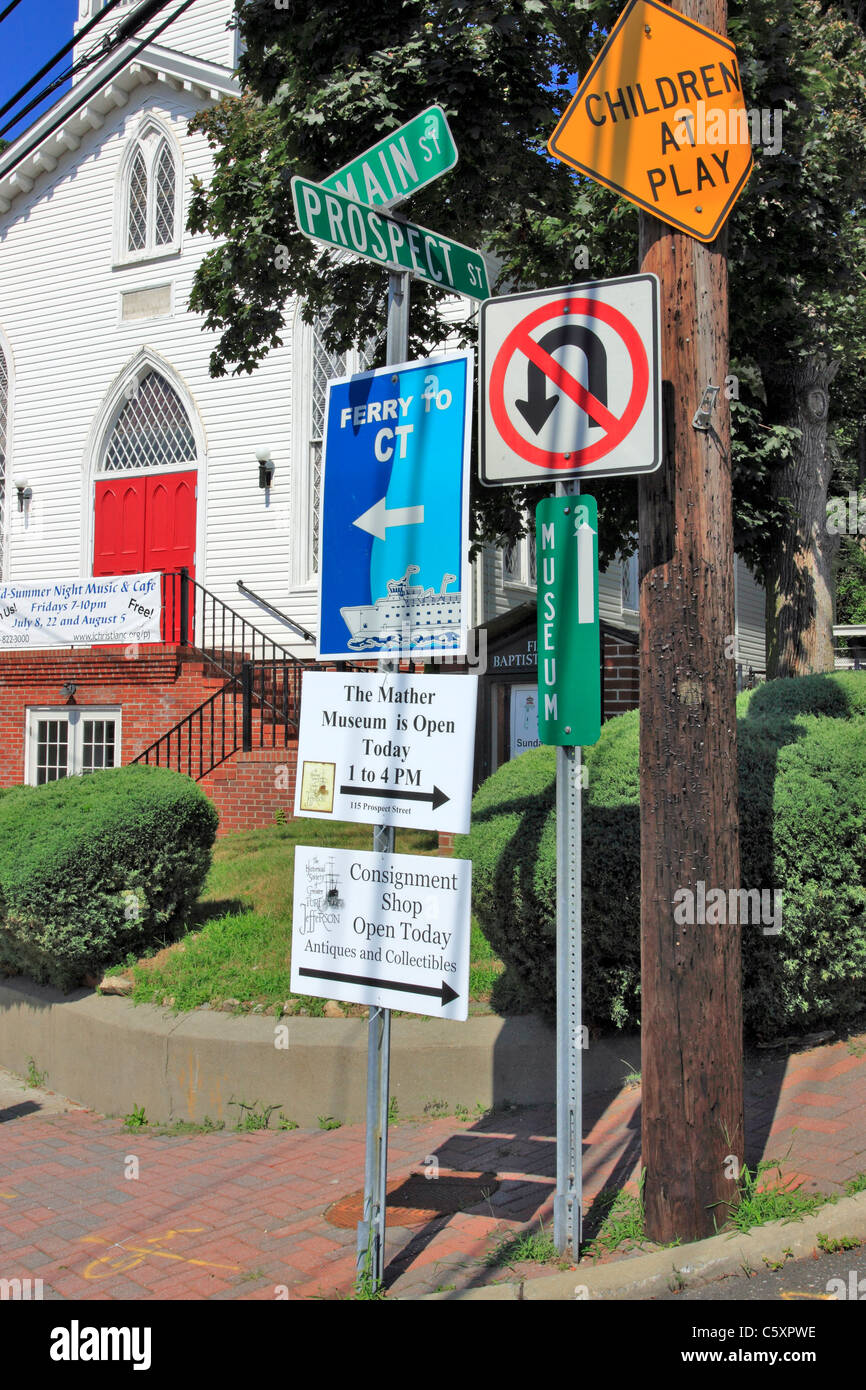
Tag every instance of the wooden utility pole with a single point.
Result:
(691, 975)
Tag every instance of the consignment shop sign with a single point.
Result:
(40, 614)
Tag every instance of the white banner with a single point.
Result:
(36, 614)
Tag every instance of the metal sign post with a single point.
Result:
(371, 1229)
(568, 1199)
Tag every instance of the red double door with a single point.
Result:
(143, 524)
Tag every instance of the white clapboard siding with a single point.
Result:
(60, 324)
(751, 629)
(200, 31)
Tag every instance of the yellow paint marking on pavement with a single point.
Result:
(10, 1196)
(133, 1255)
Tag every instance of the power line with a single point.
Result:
(122, 31)
(124, 62)
(9, 9)
(61, 52)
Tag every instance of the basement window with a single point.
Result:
(70, 741)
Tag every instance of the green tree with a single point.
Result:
(323, 82)
(797, 297)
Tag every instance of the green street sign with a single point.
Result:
(336, 220)
(406, 160)
(569, 658)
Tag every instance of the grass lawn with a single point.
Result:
(238, 945)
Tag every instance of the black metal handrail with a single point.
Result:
(194, 617)
(261, 677)
(208, 735)
(278, 613)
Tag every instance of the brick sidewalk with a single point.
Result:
(229, 1215)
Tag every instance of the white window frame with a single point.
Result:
(74, 715)
(304, 578)
(8, 461)
(629, 567)
(151, 150)
(521, 576)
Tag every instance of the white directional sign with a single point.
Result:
(572, 382)
(390, 930)
(387, 748)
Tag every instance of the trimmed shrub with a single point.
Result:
(802, 763)
(94, 867)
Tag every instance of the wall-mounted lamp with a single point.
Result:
(25, 492)
(69, 690)
(266, 466)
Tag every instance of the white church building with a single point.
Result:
(120, 454)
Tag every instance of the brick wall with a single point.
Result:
(249, 788)
(621, 684)
(154, 688)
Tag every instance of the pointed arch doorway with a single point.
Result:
(145, 492)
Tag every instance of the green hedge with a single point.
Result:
(802, 759)
(96, 866)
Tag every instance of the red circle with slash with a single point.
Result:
(616, 427)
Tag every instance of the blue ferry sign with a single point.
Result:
(394, 554)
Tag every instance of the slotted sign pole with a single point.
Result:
(334, 216)
(568, 1199)
(569, 716)
(371, 1228)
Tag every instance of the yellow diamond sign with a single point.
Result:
(660, 118)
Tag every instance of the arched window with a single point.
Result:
(4, 424)
(325, 366)
(152, 430)
(151, 216)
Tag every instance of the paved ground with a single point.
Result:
(98, 1211)
(831, 1278)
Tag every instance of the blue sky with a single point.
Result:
(28, 38)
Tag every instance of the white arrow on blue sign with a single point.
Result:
(395, 499)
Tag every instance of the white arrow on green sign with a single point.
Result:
(336, 220)
(569, 660)
(406, 160)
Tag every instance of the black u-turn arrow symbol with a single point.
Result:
(538, 406)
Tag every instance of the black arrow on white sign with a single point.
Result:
(436, 798)
(538, 406)
(443, 991)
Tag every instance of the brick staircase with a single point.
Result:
(236, 732)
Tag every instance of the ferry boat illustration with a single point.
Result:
(432, 619)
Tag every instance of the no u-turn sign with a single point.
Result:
(571, 382)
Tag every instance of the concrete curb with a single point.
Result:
(647, 1276)
(111, 1055)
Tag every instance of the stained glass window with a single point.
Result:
(152, 198)
(152, 430)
